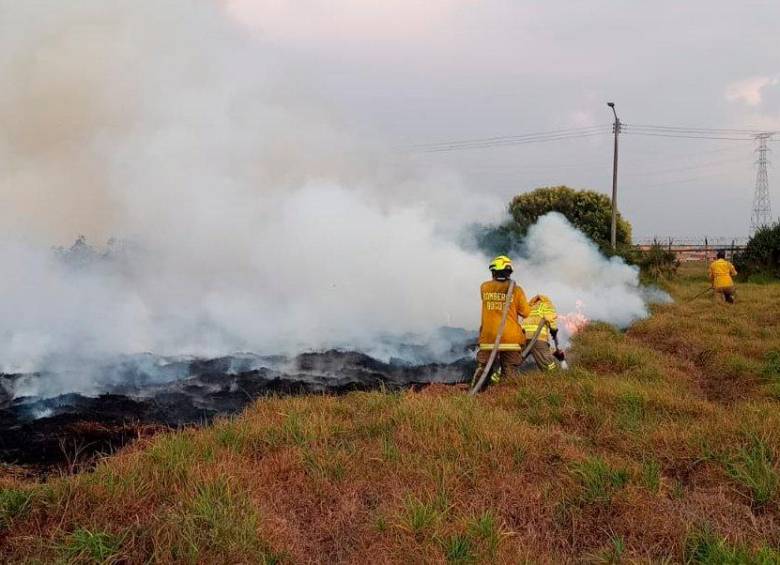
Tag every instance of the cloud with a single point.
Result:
(344, 20)
(582, 118)
(749, 90)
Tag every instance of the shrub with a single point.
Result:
(761, 256)
(658, 263)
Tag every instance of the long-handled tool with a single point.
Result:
(504, 313)
(702, 293)
(523, 355)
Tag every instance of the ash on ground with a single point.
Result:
(45, 427)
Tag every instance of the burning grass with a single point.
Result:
(661, 444)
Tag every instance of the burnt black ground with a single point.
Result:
(61, 431)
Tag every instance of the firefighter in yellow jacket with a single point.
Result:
(720, 273)
(542, 312)
(493, 293)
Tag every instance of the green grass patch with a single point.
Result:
(85, 546)
(328, 465)
(651, 475)
(705, 547)
(291, 432)
(631, 408)
(754, 468)
(233, 437)
(221, 515)
(419, 517)
(771, 368)
(215, 522)
(519, 455)
(380, 524)
(611, 352)
(762, 279)
(458, 549)
(13, 504)
(598, 479)
(484, 528)
(612, 553)
(738, 366)
(390, 451)
(172, 456)
(131, 481)
(539, 408)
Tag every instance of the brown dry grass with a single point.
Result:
(662, 445)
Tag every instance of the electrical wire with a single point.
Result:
(510, 143)
(679, 132)
(724, 134)
(629, 131)
(487, 143)
(692, 129)
(508, 137)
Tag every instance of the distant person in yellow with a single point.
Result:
(542, 312)
(494, 295)
(721, 272)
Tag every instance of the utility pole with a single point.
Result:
(616, 129)
(762, 208)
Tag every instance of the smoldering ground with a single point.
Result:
(257, 221)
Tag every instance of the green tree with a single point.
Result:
(588, 211)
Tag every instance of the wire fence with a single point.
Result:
(696, 248)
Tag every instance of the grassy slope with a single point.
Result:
(662, 445)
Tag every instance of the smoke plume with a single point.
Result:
(254, 220)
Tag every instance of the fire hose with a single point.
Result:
(509, 293)
(702, 293)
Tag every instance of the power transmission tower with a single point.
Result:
(762, 208)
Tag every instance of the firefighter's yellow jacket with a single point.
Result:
(541, 310)
(493, 295)
(721, 272)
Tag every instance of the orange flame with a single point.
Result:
(575, 321)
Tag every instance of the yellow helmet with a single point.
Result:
(539, 298)
(501, 263)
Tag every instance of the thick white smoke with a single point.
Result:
(257, 223)
(562, 263)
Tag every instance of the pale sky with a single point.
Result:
(415, 72)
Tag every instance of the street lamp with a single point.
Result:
(613, 229)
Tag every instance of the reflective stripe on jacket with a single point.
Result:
(541, 311)
(502, 346)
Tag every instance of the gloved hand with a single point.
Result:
(554, 333)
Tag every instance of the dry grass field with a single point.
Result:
(661, 445)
